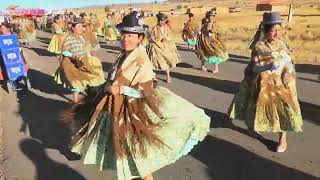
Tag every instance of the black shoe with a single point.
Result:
(13, 86)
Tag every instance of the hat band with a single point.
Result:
(133, 29)
(273, 22)
(76, 22)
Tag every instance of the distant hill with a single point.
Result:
(171, 4)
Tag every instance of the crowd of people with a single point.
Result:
(129, 123)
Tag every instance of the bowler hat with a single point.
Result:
(211, 13)
(161, 17)
(131, 23)
(77, 20)
(271, 18)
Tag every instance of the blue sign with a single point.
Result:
(8, 41)
(11, 56)
(15, 71)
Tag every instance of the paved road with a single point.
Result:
(35, 139)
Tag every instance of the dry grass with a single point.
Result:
(238, 28)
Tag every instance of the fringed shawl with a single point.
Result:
(131, 126)
(270, 89)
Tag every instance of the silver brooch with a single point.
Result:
(140, 22)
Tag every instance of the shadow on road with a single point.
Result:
(239, 59)
(216, 84)
(185, 65)
(44, 40)
(302, 68)
(106, 66)
(46, 84)
(44, 46)
(184, 47)
(308, 68)
(111, 47)
(308, 79)
(227, 161)
(222, 120)
(46, 168)
(48, 30)
(41, 118)
(42, 52)
(310, 112)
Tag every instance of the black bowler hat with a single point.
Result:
(131, 23)
(77, 20)
(161, 17)
(83, 15)
(271, 18)
(57, 18)
(211, 13)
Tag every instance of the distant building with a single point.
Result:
(272, 5)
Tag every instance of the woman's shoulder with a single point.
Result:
(282, 43)
(264, 46)
(70, 37)
(261, 46)
(261, 43)
(141, 56)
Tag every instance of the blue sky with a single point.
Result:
(57, 4)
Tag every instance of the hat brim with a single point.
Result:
(77, 22)
(272, 22)
(163, 18)
(212, 14)
(135, 29)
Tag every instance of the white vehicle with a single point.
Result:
(234, 9)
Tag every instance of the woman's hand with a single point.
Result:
(74, 56)
(114, 90)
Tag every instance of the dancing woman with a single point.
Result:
(163, 51)
(133, 125)
(210, 47)
(267, 98)
(79, 69)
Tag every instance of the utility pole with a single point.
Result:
(237, 3)
(290, 15)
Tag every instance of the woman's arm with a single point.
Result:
(125, 90)
(66, 50)
(131, 92)
(155, 37)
